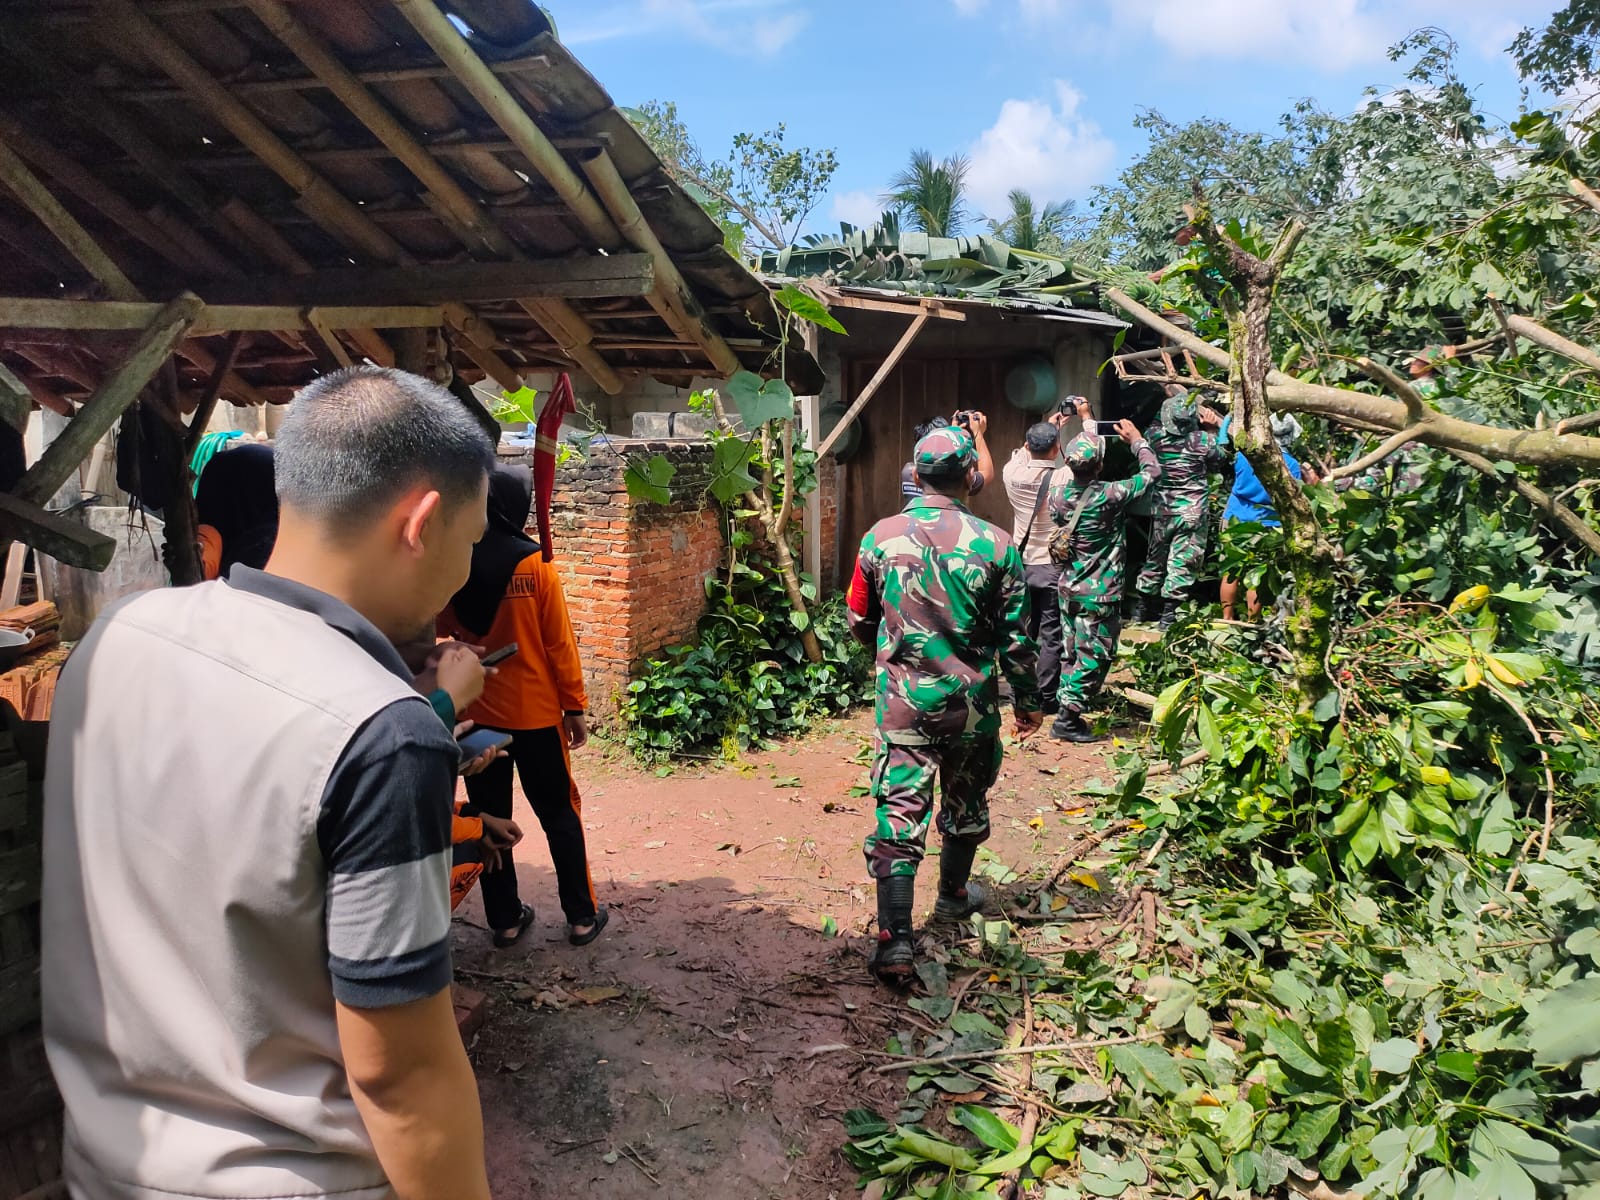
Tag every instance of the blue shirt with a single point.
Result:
(1249, 500)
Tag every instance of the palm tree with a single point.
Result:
(1029, 227)
(931, 195)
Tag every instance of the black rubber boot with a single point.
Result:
(1148, 609)
(894, 959)
(1169, 614)
(1071, 727)
(959, 897)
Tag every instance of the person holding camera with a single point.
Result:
(1034, 468)
(1089, 545)
(976, 424)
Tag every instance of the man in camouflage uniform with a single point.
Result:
(1091, 583)
(939, 595)
(1186, 445)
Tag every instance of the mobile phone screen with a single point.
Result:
(500, 655)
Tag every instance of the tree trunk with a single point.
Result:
(1309, 553)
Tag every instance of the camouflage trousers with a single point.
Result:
(903, 781)
(1088, 648)
(1177, 548)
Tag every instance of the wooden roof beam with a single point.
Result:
(475, 228)
(457, 54)
(28, 188)
(61, 537)
(672, 297)
(299, 83)
(232, 160)
(439, 283)
(31, 313)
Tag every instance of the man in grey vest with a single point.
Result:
(247, 841)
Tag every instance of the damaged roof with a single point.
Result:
(345, 179)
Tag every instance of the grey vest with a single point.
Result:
(188, 1011)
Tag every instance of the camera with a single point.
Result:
(1067, 405)
(962, 419)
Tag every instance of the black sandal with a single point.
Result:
(524, 919)
(601, 916)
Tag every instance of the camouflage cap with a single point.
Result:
(1084, 452)
(944, 452)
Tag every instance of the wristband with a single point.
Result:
(572, 712)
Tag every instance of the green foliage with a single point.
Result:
(760, 400)
(1561, 56)
(808, 308)
(520, 405)
(648, 479)
(930, 194)
(1029, 227)
(746, 679)
(763, 187)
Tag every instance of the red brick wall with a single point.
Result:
(634, 573)
(828, 549)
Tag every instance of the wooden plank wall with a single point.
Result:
(918, 389)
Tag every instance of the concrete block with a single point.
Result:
(692, 424)
(652, 425)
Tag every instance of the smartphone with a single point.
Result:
(499, 656)
(478, 742)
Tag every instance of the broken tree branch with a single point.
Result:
(1377, 456)
(1552, 341)
(1559, 515)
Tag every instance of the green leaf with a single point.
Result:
(806, 306)
(730, 475)
(1289, 1045)
(1210, 735)
(760, 401)
(863, 1123)
(986, 1127)
(648, 480)
(1394, 1056)
(1368, 839)
(1311, 1129)
(1147, 1066)
(1564, 1025)
(1173, 998)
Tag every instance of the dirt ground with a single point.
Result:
(670, 1057)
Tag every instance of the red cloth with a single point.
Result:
(545, 447)
(859, 598)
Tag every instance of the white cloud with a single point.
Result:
(1045, 148)
(860, 208)
(736, 26)
(969, 8)
(1327, 35)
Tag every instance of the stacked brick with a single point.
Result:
(29, 686)
(634, 572)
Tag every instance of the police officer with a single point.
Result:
(939, 594)
(1091, 579)
(1185, 441)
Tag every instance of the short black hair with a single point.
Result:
(1042, 436)
(355, 440)
(923, 430)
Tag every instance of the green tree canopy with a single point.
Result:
(930, 195)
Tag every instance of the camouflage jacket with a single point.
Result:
(939, 594)
(1099, 549)
(1403, 471)
(1188, 460)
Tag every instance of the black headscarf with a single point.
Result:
(237, 498)
(505, 544)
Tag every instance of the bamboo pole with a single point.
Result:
(95, 419)
(208, 401)
(882, 373)
(476, 76)
(63, 225)
(671, 296)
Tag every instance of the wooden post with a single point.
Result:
(208, 402)
(874, 383)
(95, 419)
(16, 402)
(671, 296)
(50, 211)
(11, 588)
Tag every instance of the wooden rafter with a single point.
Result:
(65, 227)
(62, 538)
(530, 64)
(29, 313)
(439, 283)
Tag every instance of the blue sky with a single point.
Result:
(1040, 93)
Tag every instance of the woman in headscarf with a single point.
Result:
(514, 596)
(237, 504)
